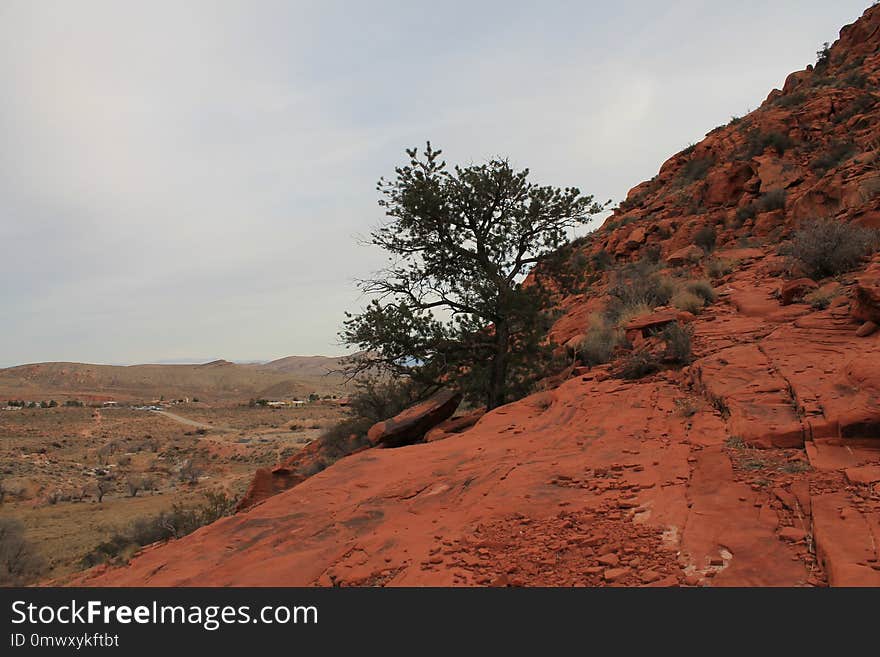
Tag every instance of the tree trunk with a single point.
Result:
(498, 371)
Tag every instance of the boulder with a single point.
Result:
(866, 329)
(635, 239)
(724, 184)
(644, 324)
(454, 425)
(411, 425)
(795, 290)
(866, 474)
(866, 300)
(685, 256)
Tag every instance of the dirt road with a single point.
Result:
(193, 423)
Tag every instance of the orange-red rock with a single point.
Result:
(685, 256)
(455, 425)
(866, 299)
(412, 424)
(795, 290)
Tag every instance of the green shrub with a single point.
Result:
(772, 200)
(652, 254)
(791, 100)
(823, 56)
(856, 79)
(744, 213)
(695, 169)
(837, 152)
(601, 260)
(757, 142)
(859, 105)
(706, 238)
(827, 248)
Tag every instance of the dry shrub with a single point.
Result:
(685, 300)
(827, 248)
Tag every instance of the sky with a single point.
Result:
(193, 180)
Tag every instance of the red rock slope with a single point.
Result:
(657, 481)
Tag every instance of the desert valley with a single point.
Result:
(706, 411)
(88, 451)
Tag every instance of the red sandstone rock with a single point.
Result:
(412, 424)
(454, 425)
(866, 329)
(615, 574)
(685, 256)
(795, 290)
(866, 474)
(866, 299)
(654, 320)
(792, 534)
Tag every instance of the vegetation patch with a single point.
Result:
(827, 248)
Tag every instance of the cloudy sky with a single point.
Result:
(188, 179)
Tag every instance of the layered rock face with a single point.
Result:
(757, 463)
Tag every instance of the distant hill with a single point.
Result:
(305, 365)
(294, 376)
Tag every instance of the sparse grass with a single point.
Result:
(637, 285)
(687, 407)
(70, 437)
(751, 459)
(703, 289)
(694, 170)
(757, 142)
(598, 345)
(627, 313)
(818, 299)
(678, 340)
(793, 99)
(735, 442)
(178, 521)
(717, 268)
(688, 301)
(795, 467)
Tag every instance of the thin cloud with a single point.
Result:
(188, 178)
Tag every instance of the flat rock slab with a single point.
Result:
(846, 541)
